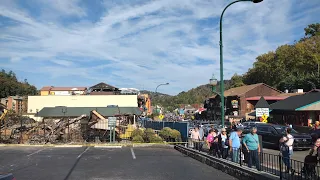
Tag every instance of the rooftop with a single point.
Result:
(238, 91)
(52, 88)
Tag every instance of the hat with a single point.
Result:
(223, 129)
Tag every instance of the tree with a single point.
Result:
(312, 30)
(290, 66)
(236, 81)
(10, 86)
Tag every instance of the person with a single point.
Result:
(234, 144)
(223, 143)
(252, 145)
(209, 141)
(317, 125)
(195, 136)
(286, 148)
(201, 134)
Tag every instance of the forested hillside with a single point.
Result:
(10, 86)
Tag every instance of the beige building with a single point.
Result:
(36, 103)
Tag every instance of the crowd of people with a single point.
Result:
(235, 145)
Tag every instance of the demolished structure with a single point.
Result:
(68, 124)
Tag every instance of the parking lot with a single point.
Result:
(100, 163)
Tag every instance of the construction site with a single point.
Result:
(62, 124)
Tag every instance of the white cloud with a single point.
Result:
(145, 42)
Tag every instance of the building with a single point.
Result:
(62, 91)
(104, 89)
(297, 110)
(236, 104)
(15, 103)
(37, 103)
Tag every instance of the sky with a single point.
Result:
(139, 43)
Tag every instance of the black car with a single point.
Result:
(271, 133)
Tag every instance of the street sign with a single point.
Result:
(161, 116)
(112, 121)
(264, 118)
(261, 111)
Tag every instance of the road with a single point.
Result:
(90, 163)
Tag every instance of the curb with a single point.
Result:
(233, 169)
(117, 145)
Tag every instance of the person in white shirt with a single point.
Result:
(195, 136)
(286, 148)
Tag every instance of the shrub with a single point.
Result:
(137, 139)
(176, 135)
(137, 132)
(147, 134)
(155, 139)
(165, 132)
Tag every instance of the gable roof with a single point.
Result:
(78, 111)
(238, 91)
(262, 103)
(103, 85)
(294, 102)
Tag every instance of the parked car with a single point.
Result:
(271, 133)
(7, 177)
(250, 123)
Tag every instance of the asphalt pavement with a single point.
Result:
(91, 163)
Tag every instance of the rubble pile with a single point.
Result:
(49, 131)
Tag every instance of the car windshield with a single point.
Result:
(282, 129)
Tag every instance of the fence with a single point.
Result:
(182, 127)
(270, 163)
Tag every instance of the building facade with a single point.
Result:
(15, 103)
(62, 91)
(36, 103)
(236, 104)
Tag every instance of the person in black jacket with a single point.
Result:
(223, 141)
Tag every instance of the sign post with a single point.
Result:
(112, 121)
(262, 111)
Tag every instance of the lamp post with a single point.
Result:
(64, 110)
(156, 92)
(221, 57)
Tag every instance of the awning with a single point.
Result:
(267, 98)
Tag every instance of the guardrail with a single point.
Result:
(270, 163)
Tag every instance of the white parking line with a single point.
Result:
(83, 152)
(133, 155)
(35, 152)
(108, 146)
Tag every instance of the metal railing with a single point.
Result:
(274, 164)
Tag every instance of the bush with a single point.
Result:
(147, 134)
(137, 139)
(137, 132)
(165, 133)
(170, 134)
(155, 139)
(176, 135)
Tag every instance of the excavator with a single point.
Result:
(3, 112)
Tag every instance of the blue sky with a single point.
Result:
(138, 43)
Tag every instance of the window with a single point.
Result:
(263, 128)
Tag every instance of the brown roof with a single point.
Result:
(102, 85)
(46, 88)
(52, 88)
(238, 91)
(289, 94)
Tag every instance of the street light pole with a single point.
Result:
(221, 58)
(156, 92)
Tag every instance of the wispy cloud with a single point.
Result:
(134, 43)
